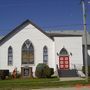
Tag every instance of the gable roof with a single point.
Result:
(1, 37)
(49, 34)
(19, 28)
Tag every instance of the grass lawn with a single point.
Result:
(25, 84)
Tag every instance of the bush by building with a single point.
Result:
(43, 71)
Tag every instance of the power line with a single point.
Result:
(63, 25)
(59, 26)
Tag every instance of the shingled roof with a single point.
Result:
(72, 33)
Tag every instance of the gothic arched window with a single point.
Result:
(10, 56)
(45, 55)
(27, 53)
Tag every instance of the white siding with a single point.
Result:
(38, 39)
(72, 45)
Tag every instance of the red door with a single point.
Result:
(64, 62)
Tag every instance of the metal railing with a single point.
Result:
(76, 66)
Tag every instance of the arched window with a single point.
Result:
(45, 55)
(27, 53)
(10, 56)
(63, 52)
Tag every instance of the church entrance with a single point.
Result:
(26, 71)
(64, 62)
(63, 59)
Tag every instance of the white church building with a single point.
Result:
(28, 45)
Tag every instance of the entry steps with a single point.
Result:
(71, 73)
(68, 73)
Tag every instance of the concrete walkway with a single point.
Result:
(70, 78)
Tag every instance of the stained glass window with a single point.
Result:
(27, 53)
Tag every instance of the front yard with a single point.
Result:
(25, 84)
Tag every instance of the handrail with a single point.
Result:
(77, 66)
(57, 71)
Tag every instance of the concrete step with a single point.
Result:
(67, 73)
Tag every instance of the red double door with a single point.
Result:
(64, 62)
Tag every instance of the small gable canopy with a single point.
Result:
(63, 52)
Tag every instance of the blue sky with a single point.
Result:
(48, 14)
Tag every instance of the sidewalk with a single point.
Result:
(70, 78)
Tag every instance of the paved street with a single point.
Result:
(70, 88)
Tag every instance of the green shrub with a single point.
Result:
(18, 75)
(10, 76)
(83, 69)
(52, 71)
(43, 71)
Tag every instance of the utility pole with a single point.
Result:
(85, 39)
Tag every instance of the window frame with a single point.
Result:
(27, 52)
(10, 56)
(45, 55)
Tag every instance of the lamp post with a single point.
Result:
(85, 39)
